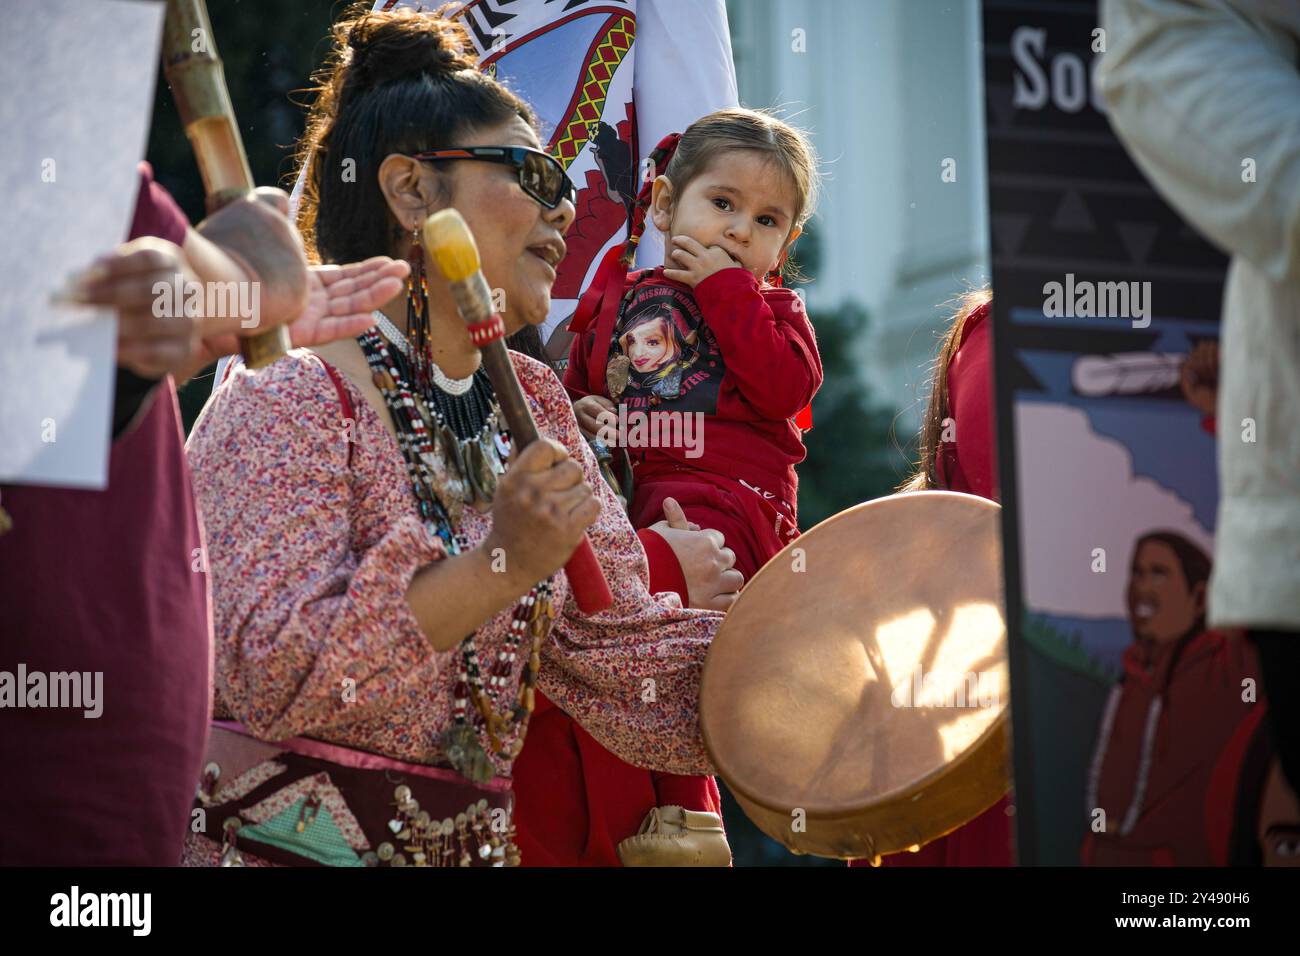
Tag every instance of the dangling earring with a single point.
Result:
(417, 312)
(773, 278)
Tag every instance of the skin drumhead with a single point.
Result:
(868, 656)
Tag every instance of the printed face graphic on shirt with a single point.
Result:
(652, 344)
(663, 357)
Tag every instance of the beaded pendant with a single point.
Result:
(446, 472)
(466, 755)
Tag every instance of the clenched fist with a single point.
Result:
(542, 508)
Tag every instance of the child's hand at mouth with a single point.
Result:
(697, 261)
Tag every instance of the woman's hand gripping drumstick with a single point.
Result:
(451, 246)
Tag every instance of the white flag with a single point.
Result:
(607, 80)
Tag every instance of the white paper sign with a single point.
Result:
(74, 115)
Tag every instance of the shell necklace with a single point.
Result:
(468, 442)
(453, 444)
(452, 386)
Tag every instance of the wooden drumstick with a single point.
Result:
(451, 246)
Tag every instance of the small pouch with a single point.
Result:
(675, 836)
(310, 818)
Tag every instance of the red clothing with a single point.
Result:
(106, 581)
(757, 366)
(665, 571)
(770, 372)
(576, 801)
(1198, 680)
(754, 528)
(1229, 792)
(969, 465)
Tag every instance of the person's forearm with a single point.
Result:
(250, 240)
(454, 597)
(212, 263)
(772, 366)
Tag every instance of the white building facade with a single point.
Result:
(892, 94)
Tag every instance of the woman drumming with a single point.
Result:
(346, 491)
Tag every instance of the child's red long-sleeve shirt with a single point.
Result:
(746, 359)
(742, 354)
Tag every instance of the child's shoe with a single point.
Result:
(674, 836)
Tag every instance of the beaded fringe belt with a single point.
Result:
(294, 809)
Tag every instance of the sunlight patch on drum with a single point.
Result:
(902, 641)
(959, 734)
(975, 643)
(976, 632)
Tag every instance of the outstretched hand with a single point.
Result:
(340, 303)
(341, 300)
(249, 241)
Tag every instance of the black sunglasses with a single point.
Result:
(540, 174)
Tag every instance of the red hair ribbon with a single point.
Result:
(606, 287)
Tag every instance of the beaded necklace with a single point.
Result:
(1146, 755)
(464, 462)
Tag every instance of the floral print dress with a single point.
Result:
(312, 538)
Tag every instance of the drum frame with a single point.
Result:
(901, 820)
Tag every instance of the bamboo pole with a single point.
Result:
(198, 84)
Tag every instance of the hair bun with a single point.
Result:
(401, 44)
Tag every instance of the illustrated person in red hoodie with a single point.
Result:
(1184, 693)
(698, 368)
(1157, 791)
